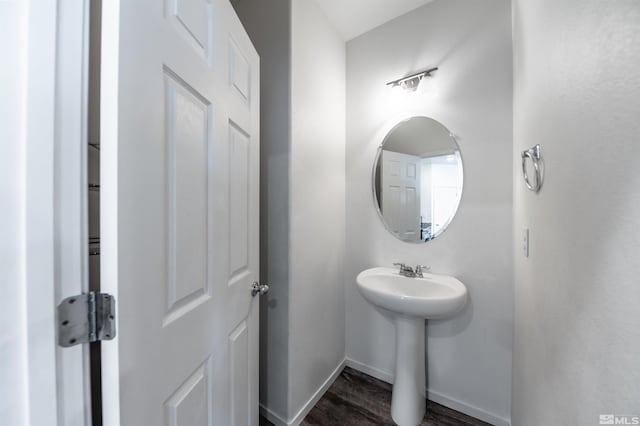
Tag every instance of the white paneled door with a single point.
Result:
(180, 170)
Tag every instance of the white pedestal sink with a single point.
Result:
(411, 301)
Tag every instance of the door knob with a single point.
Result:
(260, 289)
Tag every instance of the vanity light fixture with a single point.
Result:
(411, 82)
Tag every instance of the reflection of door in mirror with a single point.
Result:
(400, 195)
(444, 189)
(417, 179)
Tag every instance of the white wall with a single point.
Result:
(302, 201)
(317, 212)
(577, 323)
(28, 267)
(13, 367)
(273, 42)
(469, 356)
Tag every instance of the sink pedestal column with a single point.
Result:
(408, 403)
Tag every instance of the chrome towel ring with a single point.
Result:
(536, 159)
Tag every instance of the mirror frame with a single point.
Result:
(376, 203)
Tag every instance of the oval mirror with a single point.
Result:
(417, 179)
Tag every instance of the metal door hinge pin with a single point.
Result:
(86, 318)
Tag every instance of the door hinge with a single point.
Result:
(86, 318)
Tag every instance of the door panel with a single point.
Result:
(187, 126)
(239, 151)
(191, 404)
(239, 71)
(180, 126)
(239, 384)
(401, 181)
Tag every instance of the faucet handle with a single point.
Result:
(422, 268)
(403, 268)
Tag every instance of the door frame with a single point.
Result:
(44, 106)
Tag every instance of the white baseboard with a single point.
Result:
(271, 416)
(439, 398)
(467, 409)
(371, 371)
(302, 413)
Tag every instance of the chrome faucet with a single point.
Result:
(408, 271)
(405, 270)
(420, 269)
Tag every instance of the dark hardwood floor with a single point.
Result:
(356, 399)
(265, 422)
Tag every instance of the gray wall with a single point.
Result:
(272, 41)
(469, 356)
(577, 297)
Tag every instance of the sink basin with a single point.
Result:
(431, 297)
(411, 301)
